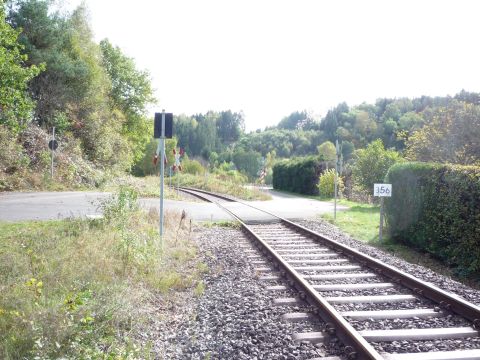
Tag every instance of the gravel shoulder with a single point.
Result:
(235, 317)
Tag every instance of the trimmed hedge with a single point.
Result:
(298, 175)
(436, 208)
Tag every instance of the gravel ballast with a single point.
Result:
(235, 317)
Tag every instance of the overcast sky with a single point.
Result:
(270, 58)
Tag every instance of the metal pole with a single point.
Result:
(380, 231)
(336, 181)
(162, 170)
(53, 140)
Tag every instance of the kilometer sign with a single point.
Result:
(382, 190)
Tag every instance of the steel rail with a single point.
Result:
(356, 346)
(442, 298)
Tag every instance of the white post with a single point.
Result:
(162, 170)
(53, 151)
(178, 182)
(380, 230)
(336, 181)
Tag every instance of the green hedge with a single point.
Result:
(436, 208)
(298, 175)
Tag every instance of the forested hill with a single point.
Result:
(53, 74)
(440, 129)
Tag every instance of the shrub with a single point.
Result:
(436, 208)
(371, 164)
(299, 175)
(192, 167)
(326, 184)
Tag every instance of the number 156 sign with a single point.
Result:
(382, 190)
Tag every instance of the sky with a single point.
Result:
(269, 58)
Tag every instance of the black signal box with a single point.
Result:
(157, 130)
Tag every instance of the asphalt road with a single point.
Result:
(17, 206)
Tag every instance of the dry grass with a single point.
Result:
(75, 288)
(149, 186)
(223, 185)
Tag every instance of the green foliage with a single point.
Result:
(91, 91)
(131, 92)
(191, 166)
(15, 104)
(452, 136)
(131, 89)
(327, 152)
(230, 126)
(285, 143)
(326, 184)
(359, 220)
(146, 165)
(202, 134)
(435, 208)
(118, 208)
(76, 289)
(248, 162)
(293, 121)
(12, 160)
(299, 175)
(372, 164)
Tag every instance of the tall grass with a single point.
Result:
(223, 184)
(76, 288)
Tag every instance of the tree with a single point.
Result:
(347, 150)
(326, 184)
(74, 80)
(16, 106)
(131, 92)
(230, 126)
(452, 136)
(292, 121)
(248, 162)
(327, 152)
(371, 164)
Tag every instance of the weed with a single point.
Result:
(199, 289)
(75, 288)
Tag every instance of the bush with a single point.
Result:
(192, 167)
(299, 175)
(436, 208)
(371, 165)
(326, 184)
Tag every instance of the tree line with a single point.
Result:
(442, 129)
(53, 74)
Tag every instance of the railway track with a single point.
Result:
(367, 304)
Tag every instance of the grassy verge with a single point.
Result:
(223, 185)
(361, 221)
(149, 186)
(76, 288)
